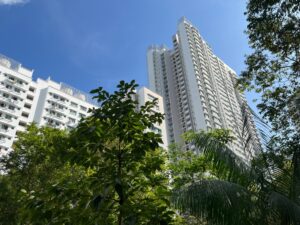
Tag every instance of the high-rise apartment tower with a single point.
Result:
(199, 90)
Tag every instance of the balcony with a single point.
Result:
(5, 120)
(55, 108)
(15, 83)
(58, 101)
(10, 91)
(9, 100)
(55, 117)
(9, 111)
(71, 124)
(53, 125)
(6, 132)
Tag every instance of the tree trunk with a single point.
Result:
(119, 189)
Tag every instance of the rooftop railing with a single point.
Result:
(9, 63)
(12, 64)
(77, 93)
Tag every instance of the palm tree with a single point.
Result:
(263, 192)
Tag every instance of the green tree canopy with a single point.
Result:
(273, 69)
(108, 170)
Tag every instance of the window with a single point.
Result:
(32, 89)
(156, 130)
(29, 97)
(151, 97)
(73, 104)
(27, 106)
(8, 117)
(22, 124)
(24, 114)
(5, 95)
(72, 112)
(71, 120)
(83, 108)
(4, 127)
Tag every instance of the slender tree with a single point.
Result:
(127, 166)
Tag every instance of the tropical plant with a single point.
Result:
(108, 170)
(245, 194)
(34, 165)
(122, 179)
(116, 144)
(273, 69)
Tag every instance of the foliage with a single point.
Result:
(8, 202)
(186, 167)
(126, 164)
(34, 155)
(273, 69)
(224, 164)
(216, 201)
(108, 170)
(189, 168)
(33, 165)
(249, 195)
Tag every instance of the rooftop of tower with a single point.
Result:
(184, 19)
(160, 47)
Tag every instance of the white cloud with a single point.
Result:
(12, 2)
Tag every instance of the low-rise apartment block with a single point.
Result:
(47, 103)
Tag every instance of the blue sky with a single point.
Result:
(90, 43)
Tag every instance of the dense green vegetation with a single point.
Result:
(111, 170)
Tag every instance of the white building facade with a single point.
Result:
(199, 90)
(45, 102)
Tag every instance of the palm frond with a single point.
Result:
(224, 161)
(255, 131)
(219, 202)
(282, 210)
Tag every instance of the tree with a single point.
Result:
(33, 165)
(8, 202)
(188, 168)
(116, 144)
(273, 69)
(245, 194)
(108, 170)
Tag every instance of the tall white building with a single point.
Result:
(47, 103)
(198, 90)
